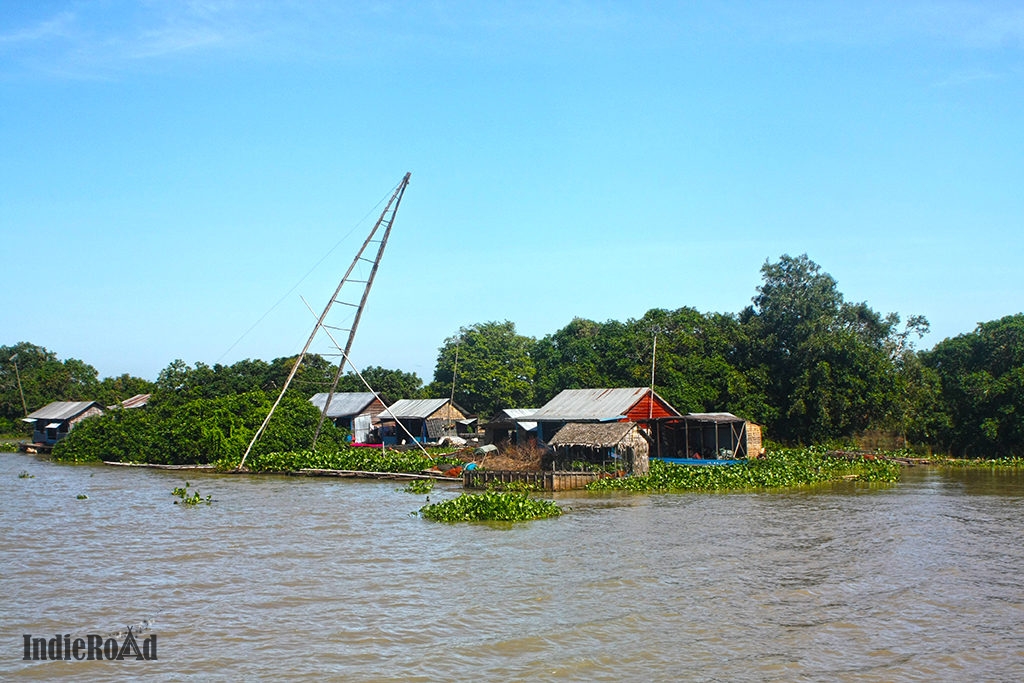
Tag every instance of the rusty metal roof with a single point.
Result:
(591, 404)
(136, 401)
(343, 404)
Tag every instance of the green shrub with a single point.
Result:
(491, 506)
(347, 458)
(781, 468)
(200, 431)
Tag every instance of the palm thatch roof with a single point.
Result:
(592, 434)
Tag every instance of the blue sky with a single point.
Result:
(174, 173)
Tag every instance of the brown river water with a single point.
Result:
(291, 578)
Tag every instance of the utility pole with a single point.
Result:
(14, 359)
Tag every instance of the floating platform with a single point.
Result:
(547, 481)
(155, 466)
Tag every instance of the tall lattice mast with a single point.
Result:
(386, 220)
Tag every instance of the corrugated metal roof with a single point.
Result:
(590, 404)
(136, 401)
(343, 404)
(414, 407)
(510, 417)
(61, 410)
(593, 434)
(714, 417)
(514, 413)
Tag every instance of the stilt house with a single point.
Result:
(53, 422)
(426, 419)
(354, 411)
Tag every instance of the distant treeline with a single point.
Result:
(800, 360)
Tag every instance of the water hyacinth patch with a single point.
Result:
(979, 463)
(782, 468)
(419, 486)
(493, 506)
(354, 459)
(187, 498)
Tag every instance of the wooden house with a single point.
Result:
(425, 420)
(354, 411)
(635, 404)
(53, 422)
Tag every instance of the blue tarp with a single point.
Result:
(697, 461)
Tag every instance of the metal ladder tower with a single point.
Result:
(386, 220)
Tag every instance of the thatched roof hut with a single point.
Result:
(619, 443)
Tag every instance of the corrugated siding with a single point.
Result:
(345, 404)
(643, 410)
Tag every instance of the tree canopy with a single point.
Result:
(491, 367)
(801, 360)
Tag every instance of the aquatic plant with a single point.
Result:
(419, 486)
(186, 498)
(515, 486)
(781, 468)
(82, 496)
(354, 458)
(492, 506)
(978, 463)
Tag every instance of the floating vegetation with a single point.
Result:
(514, 486)
(493, 506)
(82, 496)
(187, 498)
(781, 468)
(419, 486)
(25, 475)
(979, 463)
(356, 459)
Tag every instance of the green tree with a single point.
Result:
(699, 362)
(828, 363)
(43, 378)
(495, 368)
(180, 383)
(113, 390)
(981, 375)
(390, 385)
(583, 354)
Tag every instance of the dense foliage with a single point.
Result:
(802, 361)
(491, 366)
(199, 431)
(37, 375)
(981, 380)
(359, 459)
(493, 506)
(390, 385)
(779, 469)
